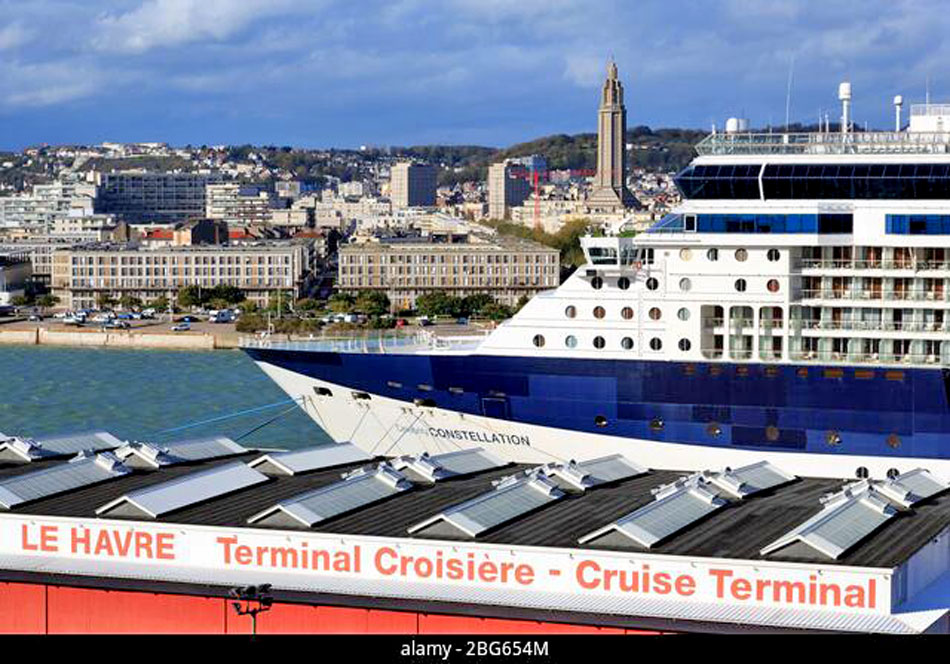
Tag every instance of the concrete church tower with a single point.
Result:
(610, 193)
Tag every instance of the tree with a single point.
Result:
(473, 305)
(189, 296)
(160, 303)
(228, 293)
(372, 303)
(128, 301)
(437, 303)
(341, 303)
(19, 300)
(105, 301)
(47, 301)
(496, 311)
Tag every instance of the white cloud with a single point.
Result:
(47, 84)
(164, 23)
(13, 35)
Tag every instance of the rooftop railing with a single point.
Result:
(831, 143)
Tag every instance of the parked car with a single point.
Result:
(116, 325)
(181, 327)
(34, 318)
(189, 319)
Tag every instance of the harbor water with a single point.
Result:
(141, 394)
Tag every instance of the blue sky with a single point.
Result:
(322, 73)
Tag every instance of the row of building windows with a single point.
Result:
(358, 259)
(918, 224)
(822, 223)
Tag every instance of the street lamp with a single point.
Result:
(251, 600)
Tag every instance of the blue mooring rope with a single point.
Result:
(239, 413)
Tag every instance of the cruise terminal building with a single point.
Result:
(98, 535)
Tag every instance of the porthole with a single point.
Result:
(570, 311)
(685, 345)
(861, 473)
(771, 433)
(599, 312)
(599, 342)
(600, 421)
(322, 391)
(656, 343)
(627, 343)
(683, 314)
(652, 283)
(742, 255)
(686, 254)
(772, 285)
(893, 441)
(833, 438)
(538, 340)
(773, 255)
(655, 313)
(685, 284)
(570, 341)
(713, 429)
(363, 396)
(626, 313)
(623, 283)
(712, 255)
(740, 285)
(597, 283)
(892, 473)
(426, 403)
(656, 424)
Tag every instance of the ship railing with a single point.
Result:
(797, 143)
(875, 294)
(363, 344)
(874, 325)
(821, 264)
(868, 358)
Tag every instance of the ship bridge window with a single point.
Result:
(602, 255)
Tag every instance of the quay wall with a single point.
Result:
(113, 339)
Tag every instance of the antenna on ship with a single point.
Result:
(788, 92)
(844, 95)
(898, 103)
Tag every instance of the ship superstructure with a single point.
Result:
(794, 305)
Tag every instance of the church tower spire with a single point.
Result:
(610, 192)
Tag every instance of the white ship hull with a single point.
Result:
(388, 427)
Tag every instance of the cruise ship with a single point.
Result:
(793, 308)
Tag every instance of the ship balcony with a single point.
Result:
(906, 265)
(872, 325)
(913, 295)
(865, 358)
(365, 344)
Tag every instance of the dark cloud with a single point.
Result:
(339, 72)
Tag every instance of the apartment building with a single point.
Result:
(459, 264)
(139, 196)
(82, 275)
(412, 185)
(238, 204)
(506, 189)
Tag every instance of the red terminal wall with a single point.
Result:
(48, 609)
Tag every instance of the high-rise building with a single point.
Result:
(610, 192)
(138, 196)
(505, 190)
(412, 185)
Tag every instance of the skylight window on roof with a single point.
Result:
(675, 507)
(84, 470)
(158, 500)
(439, 467)
(150, 455)
(360, 488)
(846, 518)
(751, 479)
(73, 443)
(912, 487)
(513, 497)
(586, 474)
(309, 459)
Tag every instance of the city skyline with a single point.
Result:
(329, 74)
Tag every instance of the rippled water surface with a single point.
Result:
(136, 394)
